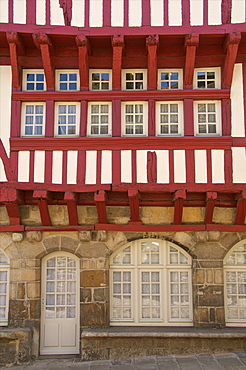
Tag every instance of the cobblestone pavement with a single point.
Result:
(218, 361)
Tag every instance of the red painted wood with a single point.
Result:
(228, 166)
(11, 10)
(226, 116)
(226, 8)
(64, 167)
(48, 68)
(116, 117)
(83, 67)
(226, 228)
(83, 118)
(211, 201)
(31, 12)
(47, 9)
(13, 213)
(209, 166)
(100, 200)
(14, 165)
(165, 11)
(152, 44)
(87, 14)
(55, 228)
(49, 118)
(244, 94)
(191, 44)
(185, 13)
(106, 13)
(31, 167)
(14, 65)
(72, 212)
(231, 47)
(190, 166)
(151, 167)
(48, 167)
(81, 168)
(134, 205)
(171, 166)
(116, 168)
(12, 228)
(44, 212)
(151, 118)
(241, 210)
(10, 194)
(15, 118)
(134, 166)
(99, 167)
(178, 199)
(188, 117)
(205, 12)
(42, 194)
(146, 11)
(126, 13)
(150, 228)
(118, 44)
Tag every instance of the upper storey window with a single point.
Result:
(67, 118)
(67, 80)
(134, 118)
(169, 118)
(99, 119)
(34, 80)
(134, 79)
(33, 116)
(208, 117)
(100, 80)
(170, 79)
(207, 78)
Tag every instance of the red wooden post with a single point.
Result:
(231, 48)
(49, 118)
(205, 12)
(226, 117)
(83, 118)
(126, 13)
(209, 166)
(133, 195)
(190, 165)
(116, 117)
(165, 11)
(191, 44)
(31, 12)
(211, 201)
(71, 199)
(241, 209)
(14, 164)
(81, 168)
(43, 196)
(226, 8)
(13, 213)
(244, 94)
(178, 199)
(134, 166)
(106, 13)
(117, 44)
(43, 42)
(64, 167)
(84, 49)
(47, 12)
(6, 162)
(116, 168)
(228, 166)
(48, 167)
(171, 166)
(100, 199)
(15, 47)
(87, 14)
(11, 11)
(185, 12)
(151, 118)
(152, 45)
(151, 167)
(15, 118)
(31, 170)
(146, 11)
(188, 117)
(99, 167)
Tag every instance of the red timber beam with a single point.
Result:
(43, 196)
(178, 198)
(84, 49)
(31, 12)
(118, 45)
(191, 44)
(106, 13)
(133, 196)
(43, 43)
(72, 199)
(210, 204)
(100, 199)
(11, 197)
(226, 8)
(16, 48)
(230, 48)
(152, 167)
(241, 209)
(152, 43)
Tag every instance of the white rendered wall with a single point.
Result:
(214, 11)
(56, 13)
(39, 160)
(238, 11)
(239, 165)
(200, 166)
(218, 175)
(157, 12)
(96, 13)
(72, 160)
(179, 166)
(162, 166)
(106, 167)
(142, 166)
(4, 11)
(126, 168)
(196, 12)
(78, 14)
(237, 105)
(20, 11)
(5, 104)
(57, 167)
(2, 172)
(117, 13)
(40, 15)
(91, 165)
(24, 166)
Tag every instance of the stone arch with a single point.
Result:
(65, 243)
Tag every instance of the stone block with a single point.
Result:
(224, 215)
(214, 235)
(100, 295)
(116, 240)
(58, 215)
(34, 236)
(201, 236)
(17, 237)
(119, 215)
(85, 295)
(21, 290)
(93, 278)
(69, 244)
(218, 276)
(193, 214)
(33, 290)
(209, 276)
(210, 250)
(92, 250)
(156, 215)
(212, 296)
(102, 235)
(30, 215)
(220, 315)
(94, 315)
(228, 240)
(199, 276)
(52, 243)
(30, 275)
(31, 251)
(35, 309)
(18, 312)
(4, 218)
(185, 239)
(201, 315)
(85, 236)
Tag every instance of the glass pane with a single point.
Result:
(127, 288)
(95, 76)
(116, 300)
(116, 276)
(3, 288)
(50, 299)
(61, 286)
(71, 286)
(95, 85)
(126, 276)
(60, 299)
(2, 312)
(126, 313)
(71, 312)
(50, 274)
(155, 277)
(30, 77)
(117, 288)
(145, 313)
(174, 313)
(129, 108)
(104, 108)
(105, 76)
(145, 276)
(201, 75)
(174, 276)
(183, 259)
(174, 288)
(71, 262)
(71, 299)
(29, 109)
(2, 300)
(201, 107)
(61, 261)
(50, 287)
(62, 109)
(61, 274)
(145, 288)
(129, 76)
(71, 109)
(3, 275)
(63, 77)
(60, 313)
(50, 313)
(3, 258)
(72, 77)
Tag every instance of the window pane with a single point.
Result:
(105, 77)
(40, 77)
(72, 77)
(62, 108)
(30, 77)
(72, 109)
(129, 76)
(95, 76)
(63, 77)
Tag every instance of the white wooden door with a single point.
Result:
(60, 304)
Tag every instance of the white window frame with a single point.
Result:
(90, 114)
(234, 268)
(23, 119)
(217, 114)
(77, 123)
(67, 71)
(217, 72)
(169, 124)
(123, 78)
(25, 72)
(180, 78)
(5, 267)
(165, 267)
(100, 71)
(145, 117)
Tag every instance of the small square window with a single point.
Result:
(134, 79)
(67, 80)
(33, 119)
(206, 78)
(100, 80)
(99, 119)
(207, 117)
(169, 118)
(67, 119)
(33, 80)
(170, 79)
(134, 118)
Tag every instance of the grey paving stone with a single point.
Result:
(123, 367)
(100, 367)
(79, 365)
(122, 361)
(167, 363)
(230, 361)
(208, 362)
(145, 360)
(188, 363)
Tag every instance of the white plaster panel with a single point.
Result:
(126, 166)
(78, 15)
(156, 15)
(40, 15)
(200, 166)
(214, 11)
(142, 166)
(175, 13)
(91, 165)
(106, 177)
(72, 161)
(23, 166)
(239, 165)
(39, 166)
(117, 13)
(238, 11)
(4, 11)
(2, 171)
(218, 175)
(196, 12)
(57, 167)
(20, 11)
(179, 166)
(56, 13)
(162, 166)
(96, 13)
(237, 101)
(135, 13)
(5, 104)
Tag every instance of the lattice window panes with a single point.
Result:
(4, 289)
(122, 295)
(170, 79)
(33, 119)
(134, 79)
(150, 295)
(134, 118)
(99, 119)
(179, 295)
(33, 80)
(169, 118)
(67, 80)
(208, 117)
(100, 80)
(67, 119)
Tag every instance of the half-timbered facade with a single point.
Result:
(122, 177)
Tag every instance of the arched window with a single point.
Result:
(4, 289)
(235, 285)
(150, 283)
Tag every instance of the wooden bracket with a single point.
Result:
(241, 209)
(133, 196)
(178, 198)
(152, 43)
(211, 200)
(100, 199)
(43, 196)
(11, 197)
(43, 43)
(72, 199)
(15, 48)
(191, 44)
(84, 50)
(230, 48)
(118, 45)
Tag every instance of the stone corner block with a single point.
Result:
(34, 236)
(201, 236)
(102, 235)
(214, 235)
(85, 236)
(17, 237)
